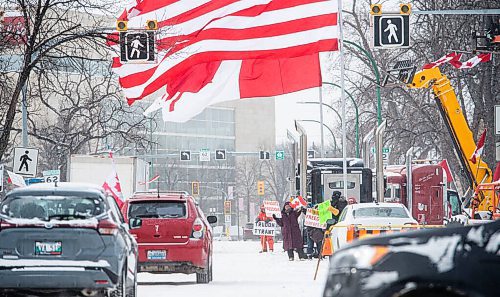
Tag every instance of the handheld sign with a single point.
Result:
(312, 220)
(272, 208)
(263, 228)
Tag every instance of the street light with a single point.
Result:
(333, 135)
(377, 78)
(356, 110)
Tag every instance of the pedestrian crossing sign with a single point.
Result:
(25, 161)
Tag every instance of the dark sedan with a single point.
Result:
(449, 262)
(65, 238)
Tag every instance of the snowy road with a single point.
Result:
(239, 270)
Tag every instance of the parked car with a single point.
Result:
(172, 233)
(444, 262)
(370, 216)
(248, 232)
(65, 237)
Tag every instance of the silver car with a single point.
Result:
(67, 238)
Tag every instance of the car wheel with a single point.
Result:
(203, 277)
(121, 286)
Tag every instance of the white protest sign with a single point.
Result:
(272, 208)
(312, 220)
(263, 228)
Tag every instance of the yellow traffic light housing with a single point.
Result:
(260, 188)
(121, 26)
(405, 9)
(376, 9)
(152, 25)
(195, 188)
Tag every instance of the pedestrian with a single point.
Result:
(292, 237)
(265, 240)
(338, 203)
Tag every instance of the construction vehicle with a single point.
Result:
(463, 141)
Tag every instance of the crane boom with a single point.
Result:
(454, 119)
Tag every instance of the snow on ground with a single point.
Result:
(239, 270)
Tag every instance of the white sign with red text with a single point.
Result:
(272, 208)
(312, 220)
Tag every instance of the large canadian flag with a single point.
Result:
(112, 184)
(214, 51)
(479, 148)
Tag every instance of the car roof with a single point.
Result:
(374, 204)
(61, 187)
(162, 196)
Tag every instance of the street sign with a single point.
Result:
(25, 161)
(204, 155)
(52, 176)
(137, 46)
(195, 188)
(391, 31)
(263, 155)
(227, 207)
(280, 155)
(310, 154)
(227, 218)
(497, 119)
(1, 178)
(185, 155)
(220, 154)
(34, 180)
(260, 187)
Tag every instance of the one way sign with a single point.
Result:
(220, 154)
(185, 155)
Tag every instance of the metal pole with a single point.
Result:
(380, 165)
(357, 115)
(344, 144)
(322, 151)
(25, 116)
(409, 179)
(303, 159)
(377, 78)
(331, 131)
(366, 147)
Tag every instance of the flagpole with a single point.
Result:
(342, 92)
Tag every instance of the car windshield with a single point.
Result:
(48, 208)
(380, 212)
(154, 209)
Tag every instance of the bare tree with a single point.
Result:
(248, 171)
(51, 28)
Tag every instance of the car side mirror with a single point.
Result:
(135, 223)
(212, 219)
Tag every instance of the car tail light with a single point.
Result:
(107, 227)
(197, 228)
(5, 225)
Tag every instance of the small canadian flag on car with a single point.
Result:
(297, 202)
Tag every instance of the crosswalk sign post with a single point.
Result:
(137, 45)
(25, 161)
(391, 30)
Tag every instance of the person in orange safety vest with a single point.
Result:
(265, 240)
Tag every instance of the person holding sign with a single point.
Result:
(292, 237)
(265, 240)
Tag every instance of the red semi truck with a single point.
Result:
(427, 196)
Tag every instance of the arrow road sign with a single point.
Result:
(25, 161)
(185, 155)
(391, 31)
(220, 154)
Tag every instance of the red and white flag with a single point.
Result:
(479, 148)
(446, 167)
(214, 51)
(112, 184)
(472, 62)
(154, 178)
(443, 60)
(297, 202)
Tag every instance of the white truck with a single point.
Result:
(132, 171)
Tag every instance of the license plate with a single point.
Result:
(157, 255)
(53, 248)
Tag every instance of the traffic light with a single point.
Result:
(121, 26)
(152, 24)
(260, 188)
(375, 9)
(227, 207)
(405, 9)
(195, 188)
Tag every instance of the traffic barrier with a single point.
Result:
(363, 231)
(327, 247)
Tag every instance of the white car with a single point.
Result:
(370, 216)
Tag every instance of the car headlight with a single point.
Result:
(358, 257)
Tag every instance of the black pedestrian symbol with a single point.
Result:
(24, 161)
(392, 31)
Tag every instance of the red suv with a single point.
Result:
(172, 233)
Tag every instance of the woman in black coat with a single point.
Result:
(290, 230)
